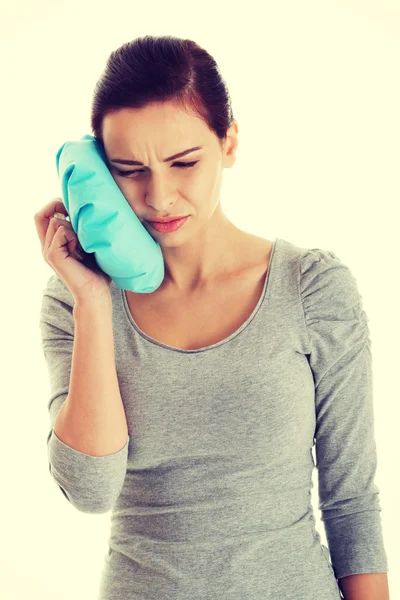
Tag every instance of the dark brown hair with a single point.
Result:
(160, 69)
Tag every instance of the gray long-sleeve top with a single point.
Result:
(211, 495)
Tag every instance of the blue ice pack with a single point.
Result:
(103, 220)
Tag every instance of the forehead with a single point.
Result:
(162, 125)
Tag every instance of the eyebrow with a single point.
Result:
(136, 162)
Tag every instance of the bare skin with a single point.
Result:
(214, 271)
(205, 317)
(204, 248)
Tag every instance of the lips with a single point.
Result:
(168, 227)
(167, 220)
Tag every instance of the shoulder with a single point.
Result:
(325, 278)
(332, 303)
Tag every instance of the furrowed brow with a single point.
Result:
(136, 162)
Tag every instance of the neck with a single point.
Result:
(201, 261)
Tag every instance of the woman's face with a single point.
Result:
(186, 185)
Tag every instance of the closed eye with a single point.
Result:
(182, 165)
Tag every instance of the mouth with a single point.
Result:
(169, 226)
(166, 220)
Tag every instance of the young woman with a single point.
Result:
(191, 412)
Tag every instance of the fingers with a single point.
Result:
(56, 205)
(50, 234)
(62, 216)
(68, 238)
(43, 216)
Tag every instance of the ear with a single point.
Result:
(230, 145)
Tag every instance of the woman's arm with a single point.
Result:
(365, 586)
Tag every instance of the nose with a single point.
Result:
(159, 195)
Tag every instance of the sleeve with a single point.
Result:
(91, 484)
(346, 457)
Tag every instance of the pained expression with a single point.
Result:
(186, 185)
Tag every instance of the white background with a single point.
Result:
(315, 91)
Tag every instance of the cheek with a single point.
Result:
(127, 193)
(120, 184)
(212, 185)
(202, 183)
(198, 188)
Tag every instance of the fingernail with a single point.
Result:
(58, 215)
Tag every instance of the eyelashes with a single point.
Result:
(182, 165)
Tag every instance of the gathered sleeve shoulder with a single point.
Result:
(90, 483)
(346, 457)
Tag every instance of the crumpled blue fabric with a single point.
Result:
(103, 220)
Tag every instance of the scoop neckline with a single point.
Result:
(151, 340)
